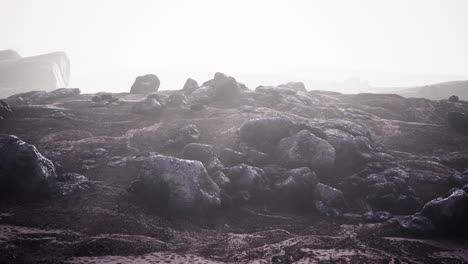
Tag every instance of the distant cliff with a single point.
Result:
(43, 72)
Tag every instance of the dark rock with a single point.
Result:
(71, 183)
(24, 172)
(176, 183)
(197, 107)
(190, 86)
(417, 223)
(453, 98)
(5, 110)
(145, 84)
(326, 210)
(264, 133)
(257, 158)
(244, 177)
(213, 165)
(226, 87)
(377, 217)
(185, 135)
(241, 197)
(458, 121)
(230, 157)
(297, 86)
(297, 184)
(197, 151)
(329, 196)
(305, 150)
(176, 100)
(148, 106)
(449, 213)
(202, 95)
(221, 180)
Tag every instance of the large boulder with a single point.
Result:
(176, 184)
(5, 110)
(145, 84)
(449, 213)
(264, 133)
(190, 86)
(24, 172)
(305, 150)
(9, 55)
(226, 87)
(297, 184)
(246, 178)
(197, 151)
(185, 135)
(41, 73)
(148, 106)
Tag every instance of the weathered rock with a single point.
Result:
(70, 183)
(176, 100)
(326, 210)
(226, 87)
(202, 95)
(297, 184)
(453, 98)
(40, 73)
(48, 97)
(221, 180)
(244, 177)
(297, 86)
(257, 158)
(305, 150)
(264, 133)
(231, 157)
(185, 135)
(329, 196)
(213, 165)
(24, 172)
(145, 84)
(417, 223)
(148, 106)
(458, 121)
(377, 217)
(176, 183)
(197, 151)
(449, 213)
(190, 86)
(5, 110)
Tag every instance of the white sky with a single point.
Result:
(110, 41)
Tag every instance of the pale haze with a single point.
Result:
(388, 43)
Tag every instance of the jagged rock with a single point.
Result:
(231, 157)
(458, 121)
(148, 106)
(185, 135)
(297, 86)
(221, 180)
(449, 213)
(5, 110)
(213, 165)
(297, 184)
(226, 87)
(264, 133)
(305, 150)
(202, 95)
(145, 84)
(329, 196)
(70, 183)
(257, 158)
(176, 100)
(417, 223)
(377, 217)
(24, 172)
(197, 151)
(40, 73)
(178, 184)
(190, 86)
(245, 177)
(453, 98)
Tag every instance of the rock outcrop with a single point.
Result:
(145, 84)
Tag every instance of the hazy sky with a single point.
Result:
(110, 41)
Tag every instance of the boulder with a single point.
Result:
(305, 150)
(417, 224)
(197, 151)
(213, 165)
(24, 172)
(185, 135)
(297, 86)
(43, 97)
(9, 55)
(221, 180)
(226, 87)
(190, 86)
(449, 213)
(297, 184)
(458, 121)
(245, 177)
(176, 100)
(5, 110)
(453, 98)
(176, 184)
(148, 106)
(257, 158)
(231, 157)
(41, 73)
(329, 196)
(377, 217)
(202, 95)
(264, 133)
(145, 84)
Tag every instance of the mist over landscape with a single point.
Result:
(218, 131)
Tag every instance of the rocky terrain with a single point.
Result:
(218, 172)
(437, 91)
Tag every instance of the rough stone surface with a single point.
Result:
(145, 84)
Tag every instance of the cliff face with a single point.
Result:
(43, 72)
(282, 175)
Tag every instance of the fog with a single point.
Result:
(385, 43)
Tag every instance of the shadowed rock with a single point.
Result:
(145, 84)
